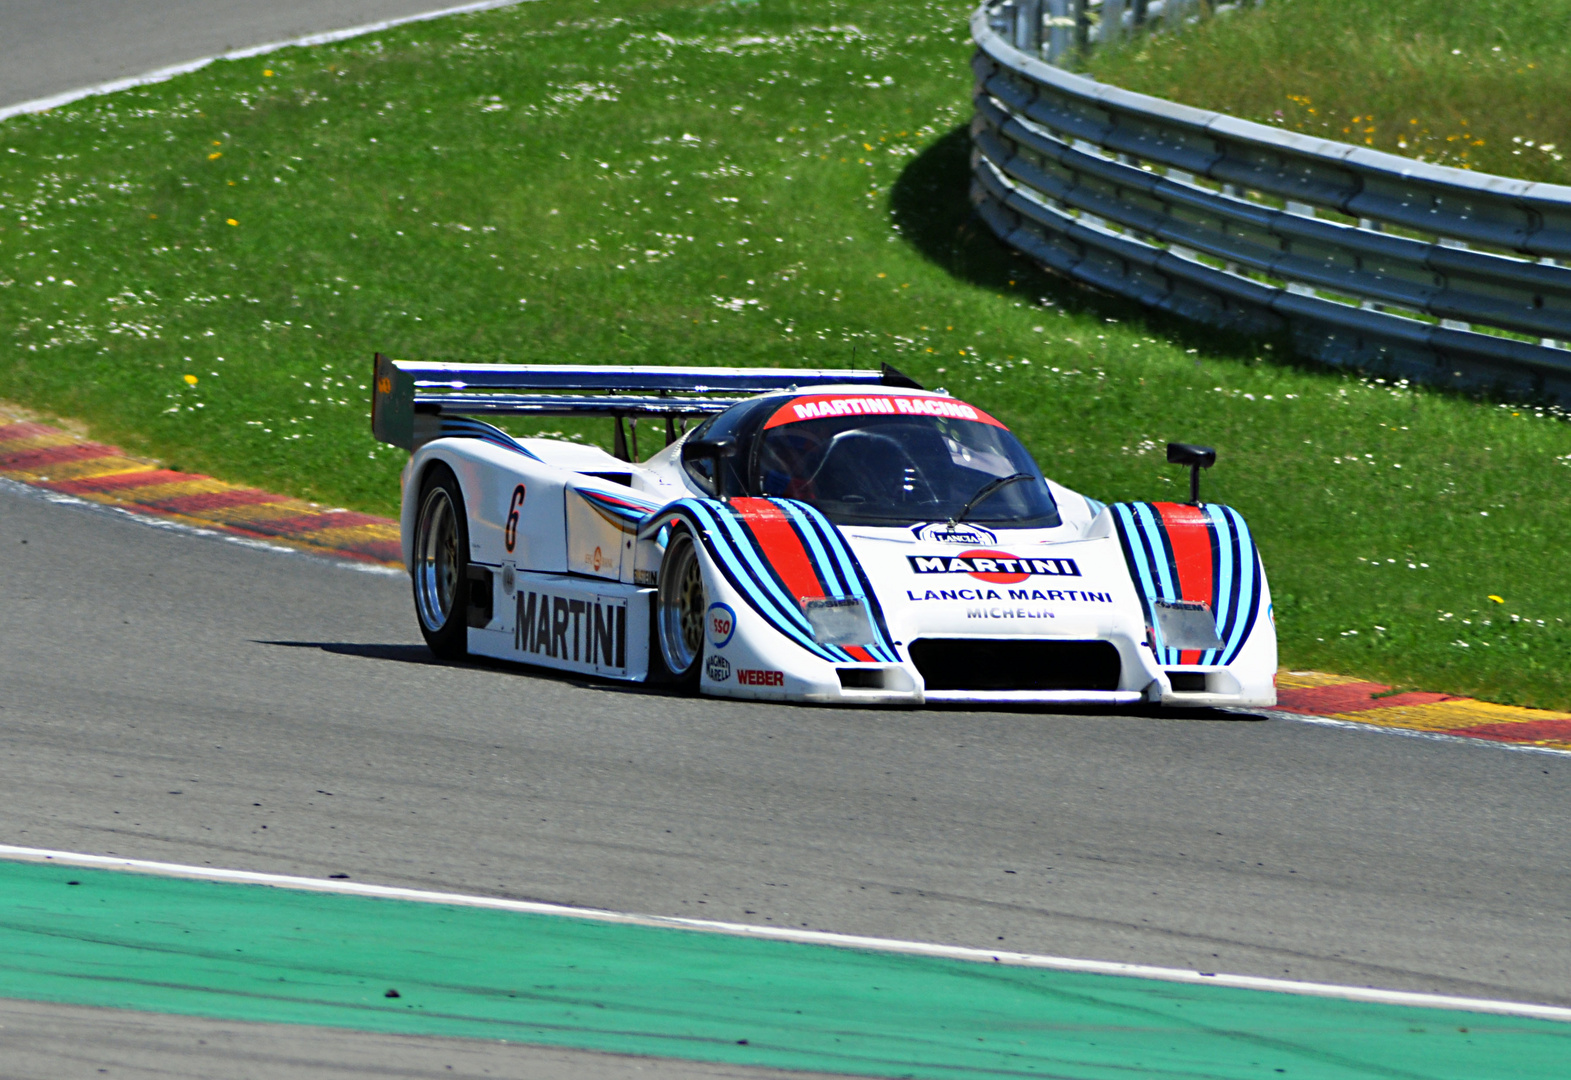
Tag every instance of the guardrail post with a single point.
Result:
(1003, 19)
(1111, 28)
(1373, 226)
(1028, 26)
(1549, 341)
(1453, 324)
(1060, 29)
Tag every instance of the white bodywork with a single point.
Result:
(572, 590)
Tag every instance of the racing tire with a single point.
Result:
(440, 565)
(680, 604)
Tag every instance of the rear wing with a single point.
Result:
(409, 398)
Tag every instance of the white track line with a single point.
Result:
(1410, 733)
(163, 74)
(153, 521)
(781, 933)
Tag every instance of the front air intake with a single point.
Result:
(1016, 664)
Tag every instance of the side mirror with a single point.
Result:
(713, 450)
(1197, 458)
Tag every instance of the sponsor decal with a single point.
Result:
(840, 621)
(941, 532)
(598, 560)
(1051, 595)
(753, 677)
(719, 624)
(718, 668)
(585, 631)
(818, 406)
(510, 530)
(1008, 613)
(645, 577)
(998, 567)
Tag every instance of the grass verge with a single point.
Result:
(1483, 85)
(201, 270)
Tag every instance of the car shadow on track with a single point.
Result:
(404, 654)
(419, 654)
(422, 656)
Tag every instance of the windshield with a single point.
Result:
(902, 468)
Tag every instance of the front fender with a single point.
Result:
(763, 558)
(1203, 554)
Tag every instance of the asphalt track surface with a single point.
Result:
(183, 698)
(46, 1042)
(52, 46)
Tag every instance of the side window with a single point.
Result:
(702, 471)
(741, 422)
(702, 474)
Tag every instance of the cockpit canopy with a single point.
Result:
(891, 460)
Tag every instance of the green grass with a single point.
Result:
(1481, 85)
(572, 183)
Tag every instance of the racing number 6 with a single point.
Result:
(510, 533)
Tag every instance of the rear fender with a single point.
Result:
(497, 483)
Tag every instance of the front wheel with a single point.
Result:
(441, 565)
(679, 615)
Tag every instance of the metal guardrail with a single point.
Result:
(1370, 260)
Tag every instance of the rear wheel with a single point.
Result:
(679, 615)
(441, 565)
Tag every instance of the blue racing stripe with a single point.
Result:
(820, 532)
(1161, 557)
(1226, 595)
(1247, 587)
(738, 559)
(464, 427)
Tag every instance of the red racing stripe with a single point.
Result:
(780, 545)
(1189, 531)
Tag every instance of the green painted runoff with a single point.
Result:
(248, 952)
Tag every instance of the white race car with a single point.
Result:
(837, 536)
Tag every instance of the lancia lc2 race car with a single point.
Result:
(819, 536)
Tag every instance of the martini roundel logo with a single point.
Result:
(999, 567)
